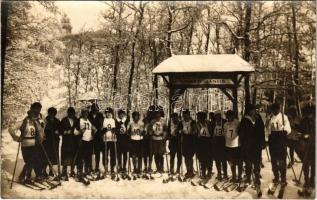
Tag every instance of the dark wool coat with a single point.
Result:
(69, 141)
(51, 142)
(252, 138)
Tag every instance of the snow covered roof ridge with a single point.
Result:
(203, 63)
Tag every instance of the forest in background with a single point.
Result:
(277, 38)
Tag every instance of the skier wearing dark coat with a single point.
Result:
(307, 128)
(69, 142)
(96, 119)
(278, 128)
(174, 143)
(219, 146)
(252, 139)
(123, 140)
(204, 144)
(188, 130)
(51, 142)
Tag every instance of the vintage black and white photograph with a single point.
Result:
(158, 99)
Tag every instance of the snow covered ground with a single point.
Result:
(127, 189)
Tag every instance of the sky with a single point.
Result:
(83, 14)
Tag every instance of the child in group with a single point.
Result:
(233, 145)
(174, 144)
(69, 145)
(204, 144)
(123, 140)
(158, 132)
(110, 139)
(219, 146)
(85, 130)
(136, 133)
(188, 130)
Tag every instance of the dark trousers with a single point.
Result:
(174, 148)
(309, 165)
(278, 153)
(235, 161)
(109, 151)
(147, 153)
(254, 164)
(85, 157)
(33, 160)
(204, 154)
(98, 148)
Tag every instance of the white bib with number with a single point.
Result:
(85, 125)
(231, 133)
(136, 130)
(109, 124)
(203, 131)
(218, 131)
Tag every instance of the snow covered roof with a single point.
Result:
(203, 63)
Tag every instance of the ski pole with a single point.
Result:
(296, 180)
(106, 157)
(48, 159)
(75, 156)
(168, 168)
(115, 152)
(267, 153)
(57, 156)
(15, 165)
(305, 159)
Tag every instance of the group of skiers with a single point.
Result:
(113, 136)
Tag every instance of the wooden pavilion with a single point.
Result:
(223, 71)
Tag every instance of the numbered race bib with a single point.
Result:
(29, 134)
(109, 124)
(218, 130)
(231, 134)
(136, 131)
(204, 132)
(86, 126)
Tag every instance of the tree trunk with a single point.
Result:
(169, 34)
(190, 38)
(207, 34)
(247, 23)
(136, 35)
(5, 6)
(78, 70)
(296, 58)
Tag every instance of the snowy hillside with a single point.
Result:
(127, 189)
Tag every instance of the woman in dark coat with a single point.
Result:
(69, 142)
(51, 143)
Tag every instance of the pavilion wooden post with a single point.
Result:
(155, 90)
(247, 89)
(235, 97)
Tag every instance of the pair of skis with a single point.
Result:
(273, 187)
(39, 185)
